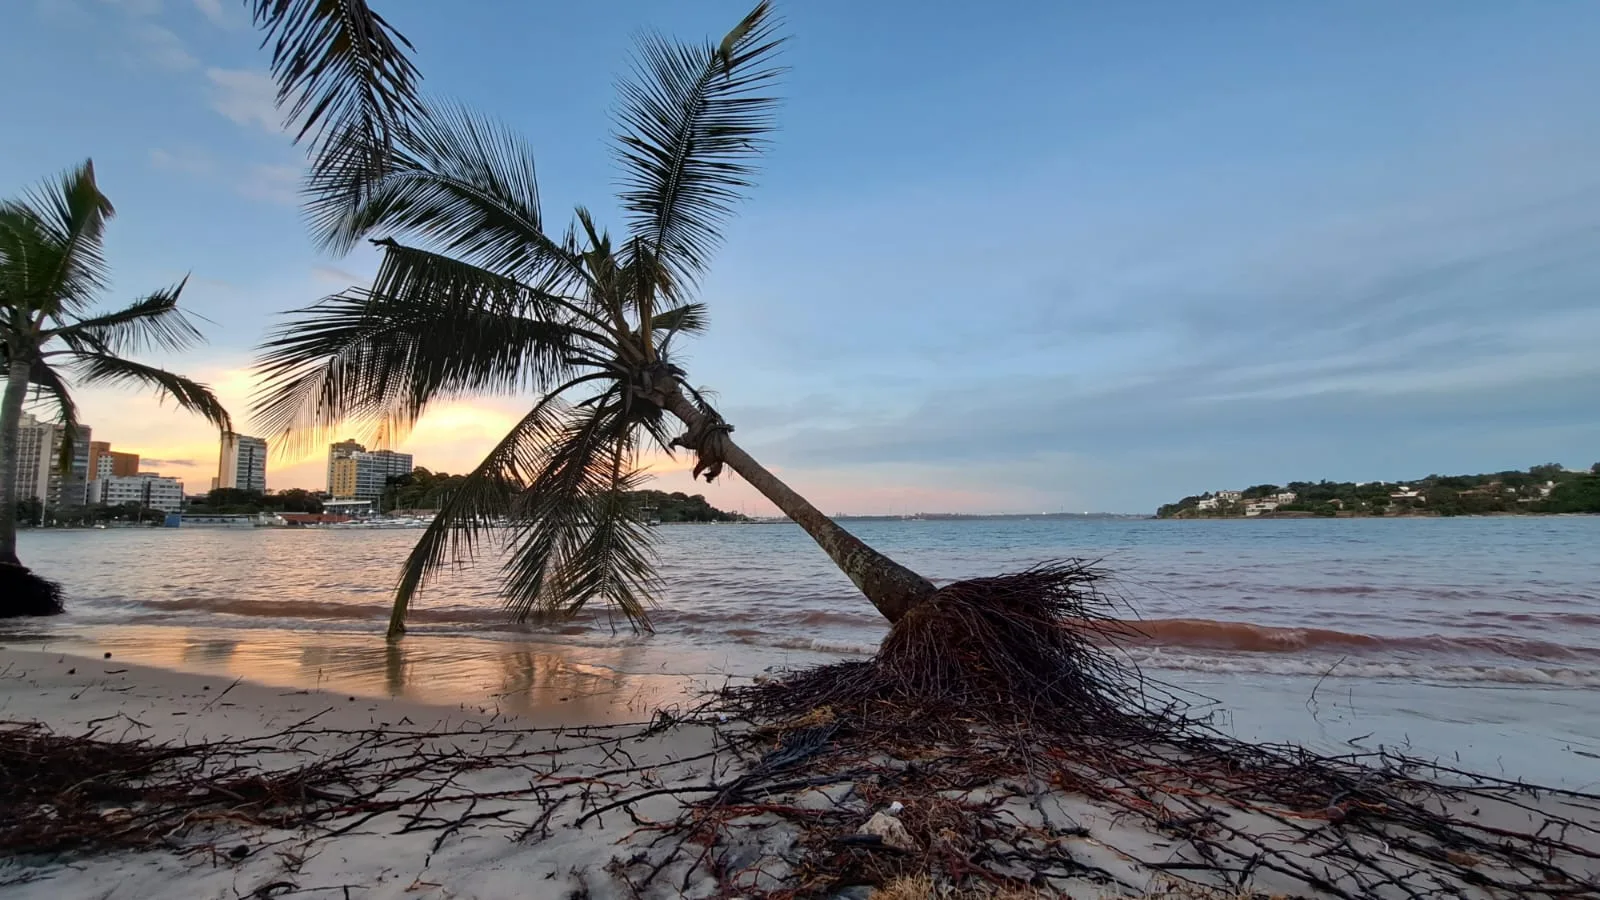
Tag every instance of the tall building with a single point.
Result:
(37, 444)
(148, 489)
(105, 462)
(342, 450)
(73, 484)
(363, 475)
(99, 450)
(243, 464)
(39, 474)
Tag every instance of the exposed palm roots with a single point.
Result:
(1024, 751)
(22, 593)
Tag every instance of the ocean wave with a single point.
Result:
(802, 628)
(1246, 637)
(1409, 670)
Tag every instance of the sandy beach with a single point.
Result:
(84, 694)
(473, 802)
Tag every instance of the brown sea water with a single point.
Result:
(1478, 637)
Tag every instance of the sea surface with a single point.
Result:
(1475, 639)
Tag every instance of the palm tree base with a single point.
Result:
(23, 593)
(990, 651)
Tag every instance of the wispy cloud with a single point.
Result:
(162, 48)
(170, 463)
(334, 276)
(272, 184)
(64, 12)
(187, 160)
(246, 96)
(265, 182)
(213, 11)
(137, 8)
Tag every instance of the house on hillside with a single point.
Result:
(1261, 506)
(1230, 496)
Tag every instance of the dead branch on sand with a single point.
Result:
(988, 709)
(998, 742)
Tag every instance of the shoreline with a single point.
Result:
(540, 681)
(1542, 730)
(230, 858)
(531, 820)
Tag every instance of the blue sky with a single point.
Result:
(1006, 257)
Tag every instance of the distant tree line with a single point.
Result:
(680, 507)
(31, 513)
(1547, 488)
(233, 501)
(424, 490)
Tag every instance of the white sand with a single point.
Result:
(486, 858)
(76, 694)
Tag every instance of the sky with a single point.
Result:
(1011, 257)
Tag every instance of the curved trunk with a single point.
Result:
(10, 434)
(892, 588)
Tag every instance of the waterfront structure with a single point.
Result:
(362, 475)
(349, 509)
(148, 489)
(342, 450)
(243, 465)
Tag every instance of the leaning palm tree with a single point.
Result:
(475, 295)
(51, 269)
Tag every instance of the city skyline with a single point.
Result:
(1343, 239)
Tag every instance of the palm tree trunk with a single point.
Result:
(892, 588)
(10, 434)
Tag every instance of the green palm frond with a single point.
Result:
(693, 119)
(51, 244)
(347, 81)
(52, 388)
(449, 329)
(473, 296)
(578, 536)
(458, 184)
(472, 509)
(339, 66)
(103, 368)
(690, 318)
(155, 321)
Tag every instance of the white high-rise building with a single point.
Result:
(243, 464)
(148, 489)
(37, 445)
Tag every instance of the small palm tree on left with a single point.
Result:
(51, 270)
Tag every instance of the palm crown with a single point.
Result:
(473, 295)
(51, 271)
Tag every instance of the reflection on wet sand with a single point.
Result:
(574, 684)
